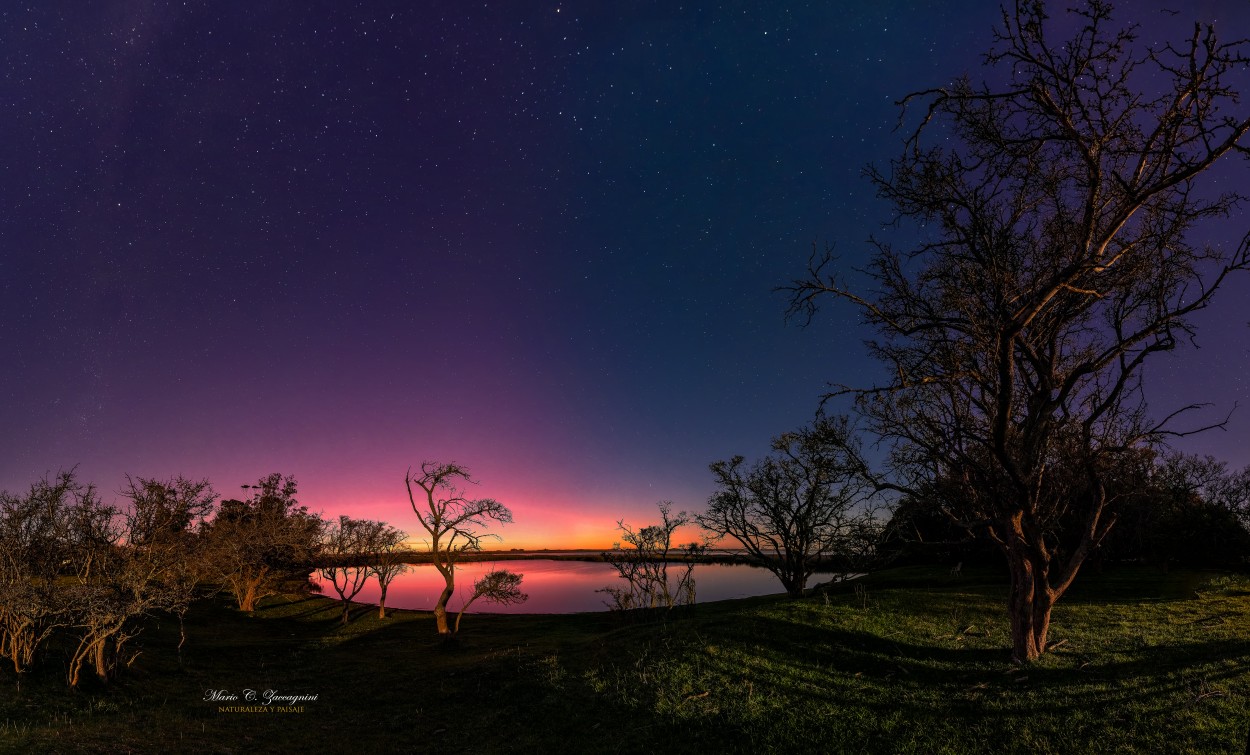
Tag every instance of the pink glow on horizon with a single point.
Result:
(545, 525)
(558, 512)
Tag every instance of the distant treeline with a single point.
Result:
(409, 556)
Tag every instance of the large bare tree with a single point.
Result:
(805, 503)
(163, 523)
(1056, 214)
(455, 522)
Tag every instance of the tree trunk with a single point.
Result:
(88, 648)
(1038, 581)
(20, 648)
(101, 661)
(440, 608)
(382, 602)
(460, 614)
(251, 584)
(247, 602)
(1029, 604)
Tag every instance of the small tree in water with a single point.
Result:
(644, 566)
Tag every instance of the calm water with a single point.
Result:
(560, 586)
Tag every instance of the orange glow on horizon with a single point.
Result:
(534, 526)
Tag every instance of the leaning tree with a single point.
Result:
(1056, 217)
(456, 523)
(497, 586)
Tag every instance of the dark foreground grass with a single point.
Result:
(915, 661)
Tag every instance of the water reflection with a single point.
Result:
(560, 586)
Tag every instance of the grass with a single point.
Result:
(914, 661)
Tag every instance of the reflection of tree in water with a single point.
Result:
(645, 565)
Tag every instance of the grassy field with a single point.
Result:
(914, 661)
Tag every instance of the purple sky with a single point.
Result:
(538, 239)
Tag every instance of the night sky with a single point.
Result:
(335, 239)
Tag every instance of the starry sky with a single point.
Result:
(540, 239)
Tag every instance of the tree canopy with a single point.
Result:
(806, 502)
(258, 546)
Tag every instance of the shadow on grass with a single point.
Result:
(740, 678)
(905, 674)
(1097, 678)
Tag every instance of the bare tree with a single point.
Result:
(77, 567)
(388, 561)
(804, 504)
(499, 586)
(1054, 256)
(164, 512)
(454, 521)
(1188, 514)
(1221, 487)
(33, 536)
(644, 565)
(347, 552)
(265, 544)
(163, 524)
(110, 589)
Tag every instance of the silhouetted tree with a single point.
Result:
(348, 550)
(499, 586)
(263, 545)
(1055, 211)
(454, 521)
(644, 565)
(918, 532)
(163, 512)
(1184, 511)
(388, 562)
(806, 502)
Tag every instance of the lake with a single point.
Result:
(561, 586)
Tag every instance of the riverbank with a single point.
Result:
(914, 661)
